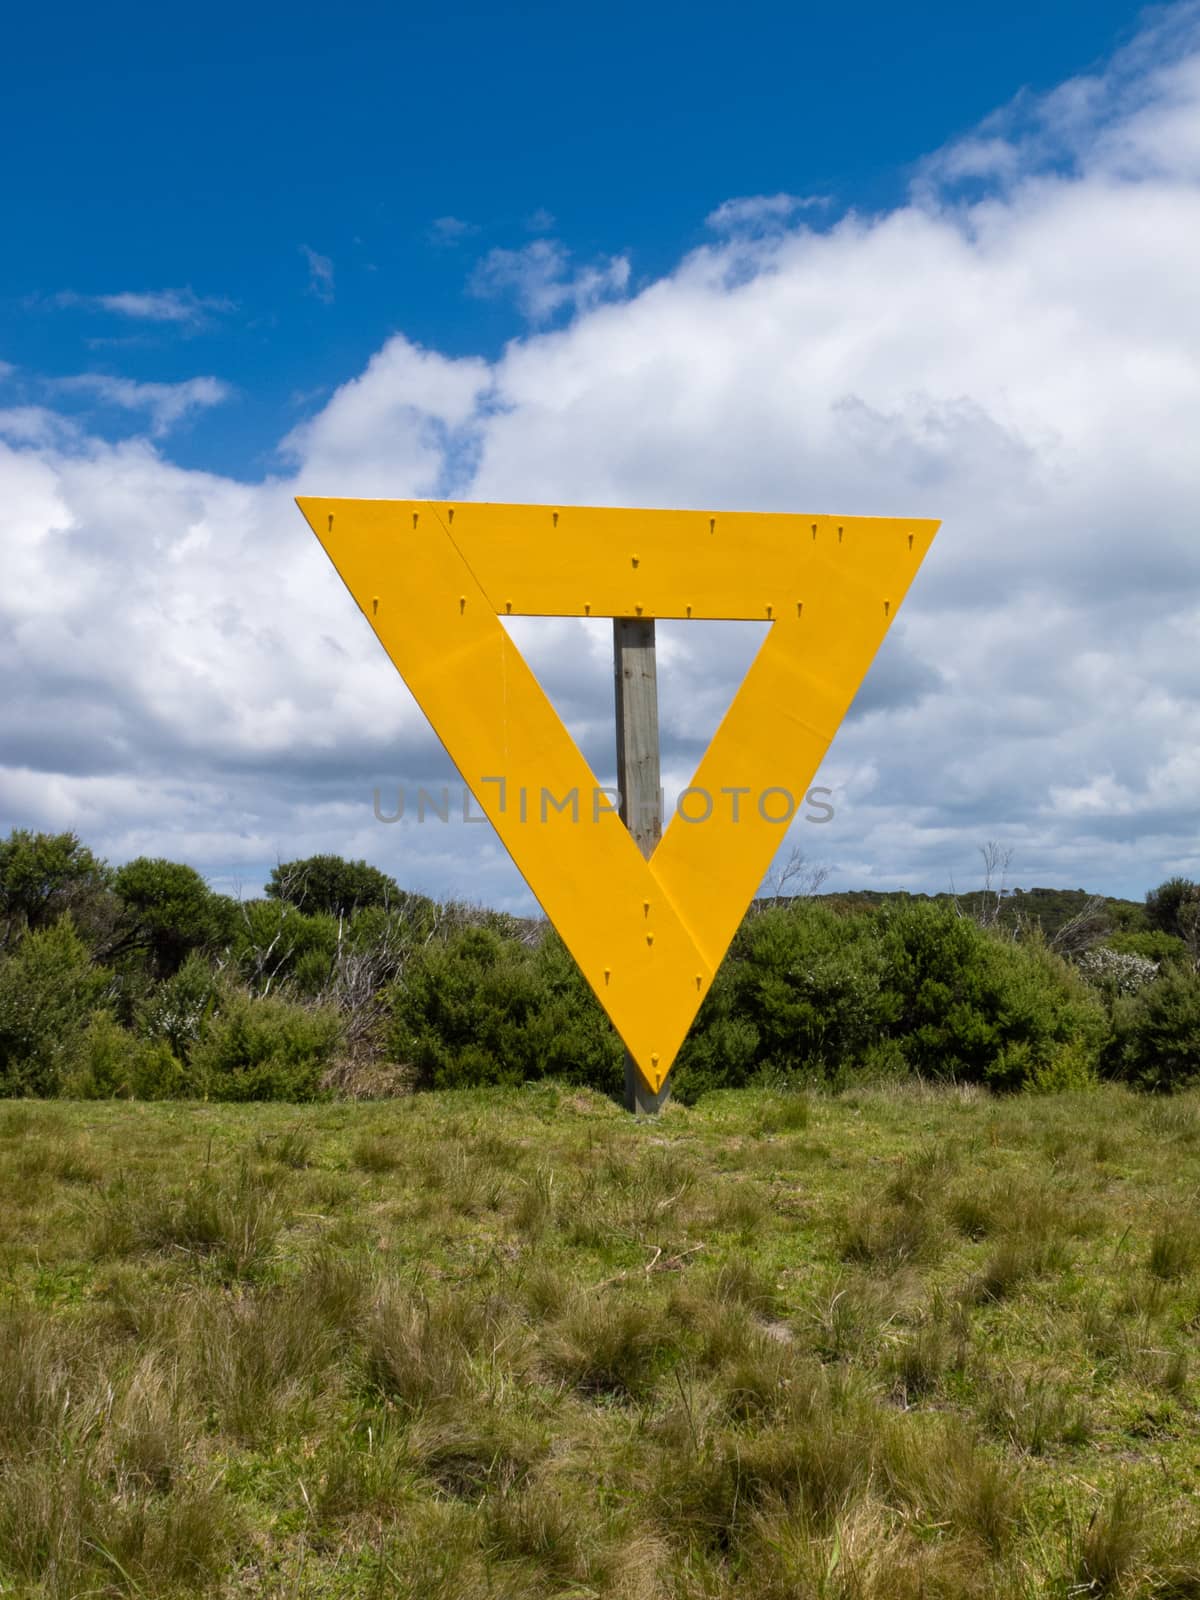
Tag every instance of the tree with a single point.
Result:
(168, 910)
(333, 885)
(44, 874)
(1170, 907)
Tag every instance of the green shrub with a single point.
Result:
(396, 929)
(966, 1004)
(811, 982)
(798, 995)
(274, 944)
(107, 1062)
(1155, 1041)
(720, 1051)
(48, 989)
(482, 1009)
(264, 1049)
(1070, 1065)
(174, 1011)
(1152, 944)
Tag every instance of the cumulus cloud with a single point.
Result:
(412, 418)
(36, 425)
(1014, 349)
(165, 404)
(543, 281)
(1134, 120)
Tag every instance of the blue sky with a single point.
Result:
(209, 159)
(882, 261)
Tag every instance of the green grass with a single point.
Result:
(882, 1345)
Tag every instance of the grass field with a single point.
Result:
(887, 1344)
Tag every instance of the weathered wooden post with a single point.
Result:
(639, 780)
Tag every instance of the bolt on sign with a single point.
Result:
(434, 579)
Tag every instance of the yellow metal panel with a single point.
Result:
(593, 561)
(433, 578)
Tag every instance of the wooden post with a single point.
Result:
(639, 781)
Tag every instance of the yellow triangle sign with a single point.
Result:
(434, 579)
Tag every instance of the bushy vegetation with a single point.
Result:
(967, 1005)
(42, 875)
(475, 1008)
(339, 888)
(1155, 1041)
(49, 987)
(1172, 908)
(909, 988)
(167, 911)
(144, 982)
(510, 1344)
(264, 1049)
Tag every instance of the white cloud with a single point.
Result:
(1135, 120)
(451, 230)
(36, 425)
(180, 306)
(320, 274)
(165, 404)
(756, 212)
(410, 418)
(542, 281)
(1015, 349)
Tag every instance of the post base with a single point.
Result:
(640, 1098)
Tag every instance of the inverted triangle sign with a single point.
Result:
(434, 579)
